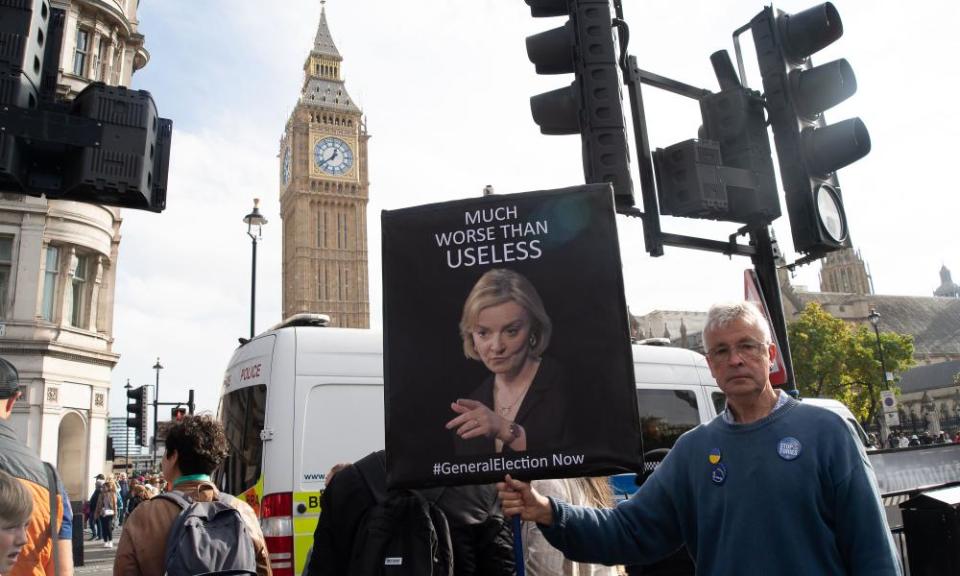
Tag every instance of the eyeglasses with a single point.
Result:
(749, 349)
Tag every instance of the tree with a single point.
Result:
(833, 359)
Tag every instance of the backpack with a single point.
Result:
(208, 538)
(403, 533)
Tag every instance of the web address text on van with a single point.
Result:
(503, 464)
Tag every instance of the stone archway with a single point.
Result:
(72, 455)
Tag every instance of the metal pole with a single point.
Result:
(253, 287)
(765, 264)
(254, 219)
(883, 363)
(128, 388)
(156, 407)
(883, 382)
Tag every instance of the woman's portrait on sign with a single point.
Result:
(521, 404)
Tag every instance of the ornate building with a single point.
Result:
(948, 288)
(58, 271)
(845, 271)
(324, 190)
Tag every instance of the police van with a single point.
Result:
(302, 397)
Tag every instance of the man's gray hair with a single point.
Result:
(721, 315)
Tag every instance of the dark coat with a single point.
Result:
(482, 542)
(542, 412)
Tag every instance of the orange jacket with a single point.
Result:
(36, 558)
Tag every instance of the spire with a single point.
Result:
(323, 84)
(323, 44)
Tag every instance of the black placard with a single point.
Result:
(536, 255)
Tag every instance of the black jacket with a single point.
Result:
(482, 540)
(542, 412)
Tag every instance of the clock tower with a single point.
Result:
(324, 190)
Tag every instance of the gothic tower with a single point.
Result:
(844, 271)
(324, 190)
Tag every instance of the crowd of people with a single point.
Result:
(712, 494)
(903, 439)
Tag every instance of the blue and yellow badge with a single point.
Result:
(714, 456)
(789, 448)
(718, 474)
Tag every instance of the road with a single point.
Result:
(98, 561)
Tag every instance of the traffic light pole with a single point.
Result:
(762, 248)
(765, 264)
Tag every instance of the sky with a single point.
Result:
(445, 86)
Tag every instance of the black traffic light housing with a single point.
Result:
(728, 173)
(809, 151)
(107, 146)
(137, 407)
(591, 105)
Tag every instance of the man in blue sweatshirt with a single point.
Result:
(770, 486)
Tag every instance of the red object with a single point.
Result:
(276, 521)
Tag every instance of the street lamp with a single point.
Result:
(874, 318)
(156, 407)
(254, 219)
(129, 470)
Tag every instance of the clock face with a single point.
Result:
(333, 156)
(285, 169)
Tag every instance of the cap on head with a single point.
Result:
(9, 380)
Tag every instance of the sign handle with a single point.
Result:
(518, 546)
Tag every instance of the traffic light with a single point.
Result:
(177, 413)
(728, 173)
(137, 414)
(809, 151)
(591, 105)
(107, 146)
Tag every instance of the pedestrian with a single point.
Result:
(15, 509)
(893, 441)
(480, 538)
(123, 493)
(137, 495)
(540, 557)
(904, 441)
(92, 518)
(36, 557)
(106, 510)
(195, 447)
(769, 486)
(914, 440)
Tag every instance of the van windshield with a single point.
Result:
(242, 415)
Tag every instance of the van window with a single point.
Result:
(665, 415)
(342, 423)
(719, 401)
(242, 415)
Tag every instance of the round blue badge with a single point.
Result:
(789, 448)
(718, 474)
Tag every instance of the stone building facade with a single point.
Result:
(58, 268)
(324, 189)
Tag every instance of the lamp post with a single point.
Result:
(128, 387)
(156, 407)
(874, 318)
(254, 219)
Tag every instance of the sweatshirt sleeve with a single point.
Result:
(863, 536)
(641, 530)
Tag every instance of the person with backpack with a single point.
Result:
(48, 539)
(193, 528)
(363, 527)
